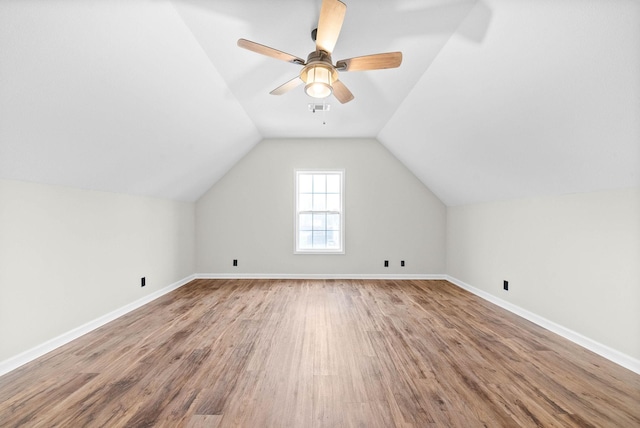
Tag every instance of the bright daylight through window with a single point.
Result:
(319, 212)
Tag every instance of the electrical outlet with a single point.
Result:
(402, 263)
(235, 262)
(386, 263)
(143, 281)
(505, 285)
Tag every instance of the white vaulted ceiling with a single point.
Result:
(495, 99)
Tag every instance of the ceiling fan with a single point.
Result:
(319, 74)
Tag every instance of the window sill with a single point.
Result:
(327, 252)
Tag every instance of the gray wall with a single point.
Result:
(573, 259)
(68, 257)
(390, 215)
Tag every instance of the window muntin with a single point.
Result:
(319, 211)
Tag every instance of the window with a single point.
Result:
(319, 212)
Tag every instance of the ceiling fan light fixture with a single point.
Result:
(318, 79)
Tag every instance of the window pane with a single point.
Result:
(333, 239)
(319, 202)
(305, 222)
(305, 202)
(333, 221)
(305, 241)
(333, 183)
(305, 182)
(333, 202)
(319, 239)
(319, 221)
(319, 183)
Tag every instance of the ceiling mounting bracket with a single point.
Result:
(314, 107)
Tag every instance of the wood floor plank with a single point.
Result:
(320, 353)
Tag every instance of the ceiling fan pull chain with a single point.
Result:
(324, 112)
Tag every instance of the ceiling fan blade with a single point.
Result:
(341, 92)
(286, 87)
(331, 17)
(371, 62)
(266, 50)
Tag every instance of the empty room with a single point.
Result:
(320, 213)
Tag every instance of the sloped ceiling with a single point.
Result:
(116, 96)
(548, 103)
(495, 99)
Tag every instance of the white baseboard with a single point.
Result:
(600, 349)
(609, 353)
(398, 276)
(48, 346)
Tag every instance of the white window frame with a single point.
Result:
(297, 212)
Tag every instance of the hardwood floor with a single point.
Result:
(320, 353)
